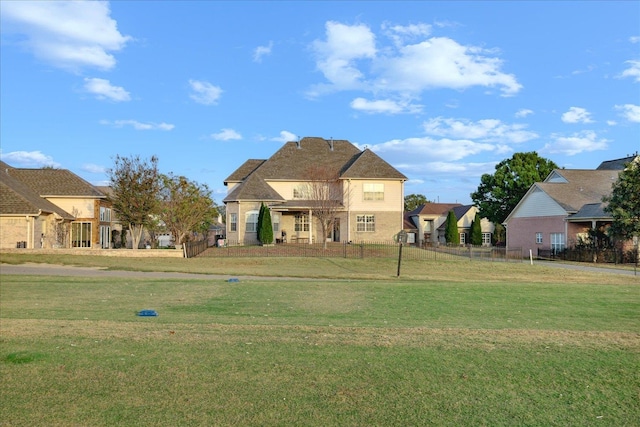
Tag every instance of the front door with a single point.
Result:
(336, 230)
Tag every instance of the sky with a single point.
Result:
(443, 91)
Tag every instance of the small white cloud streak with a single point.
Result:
(630, 112)
(103, 89)
(633, 71)
(204, 92)
(67, 34)
(91, 168)
(262, 51)
(29, 159)
(577, 115)
(523, 113)
(138, 125)
(226, 135)
(384, 106)
(285, 136)
(577, 143)
(486, 130)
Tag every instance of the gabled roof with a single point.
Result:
(294, 160)
(244, 170)
(434, 209)
(459, 212)
(54, 183)
(253, 188)
(617, 164)
(18, 199)
(582, 187)
(369, 165)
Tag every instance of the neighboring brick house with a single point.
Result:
(556, 213)
(48, 208)
(430, 221)
(370, 201)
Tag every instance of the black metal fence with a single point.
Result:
(363, 250)
(607, 256)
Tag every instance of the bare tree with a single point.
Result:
(326, 196)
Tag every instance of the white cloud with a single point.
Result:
(139, 125)
(103, 89)
(226, 135)
(400, 34)
(204, 92)
(261, 51)
(350, 60)
(634, 39)
(577, 115)
(630, 112)
(441, 62)
(68, 34)
(285, 136)
(486, 130)
(29, 159)
(633, 71)
(91, 168)
(524, 112)
(577, 143)
(612, 122)
(415, 150)
(386, 106)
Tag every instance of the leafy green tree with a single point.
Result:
(185, 207)
(412, 201)
(624, 203)
(499, 235)
(135, 186)
(451, 234)
(499, 193)
(265, 227)
(476, 231)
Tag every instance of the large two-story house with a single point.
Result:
(369, 203)
(48, 208)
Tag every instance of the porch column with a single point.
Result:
(310, 226)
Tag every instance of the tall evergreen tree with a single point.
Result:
(476, 231)
(265, 227)
(451, 233)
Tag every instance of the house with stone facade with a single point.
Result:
(368, 202)
(51, 208)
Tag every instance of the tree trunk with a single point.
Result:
(136, 235)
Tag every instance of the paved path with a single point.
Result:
(586, 267)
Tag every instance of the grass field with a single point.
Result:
(343, 343)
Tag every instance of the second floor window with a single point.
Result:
(373, 191)
(105, 214)
(301, 191)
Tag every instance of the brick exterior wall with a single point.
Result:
(521, 232)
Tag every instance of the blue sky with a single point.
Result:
(441, 90)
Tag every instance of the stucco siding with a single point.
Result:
(393, 198)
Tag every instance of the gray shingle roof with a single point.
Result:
(294, 160)
(18, 199)
(583, 187)
(434, 208)
(590, 211)
(616, 164)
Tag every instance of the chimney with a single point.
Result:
(298, 143)
(331, 143)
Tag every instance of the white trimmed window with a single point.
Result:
(105, 214)
(301, 222)
(557, 242)
(251, 223)
(233, 222)
(81, 234)
(486, 239)
(373, 191)
(539, 238)
(275, 220)
(463, 238)
(366, 223)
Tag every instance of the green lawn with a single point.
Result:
(449, 344)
